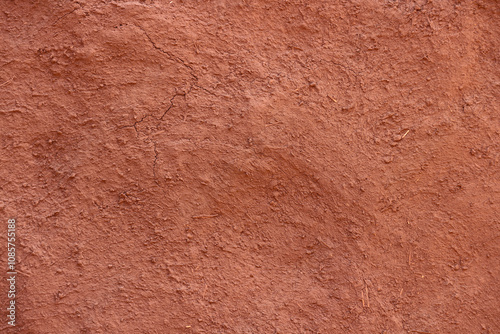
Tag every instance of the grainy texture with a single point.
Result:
(252, 166)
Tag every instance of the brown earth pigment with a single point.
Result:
(251, 166)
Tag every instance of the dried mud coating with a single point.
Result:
(252, 166)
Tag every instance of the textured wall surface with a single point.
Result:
(251, 166)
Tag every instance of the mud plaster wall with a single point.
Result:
(252, 166)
